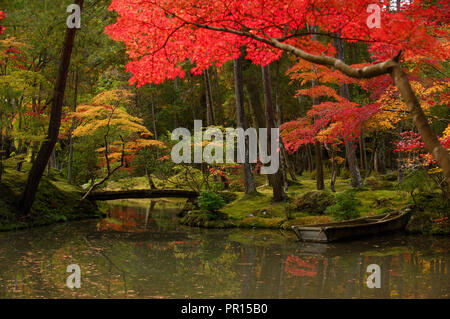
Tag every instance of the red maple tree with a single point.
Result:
(164, 38)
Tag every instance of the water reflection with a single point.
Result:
(140, 252)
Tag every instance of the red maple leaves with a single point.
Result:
(164, 38)
(2, 16)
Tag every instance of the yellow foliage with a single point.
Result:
(447, 132)
(92, 117)
(394, 109)
(113, 97)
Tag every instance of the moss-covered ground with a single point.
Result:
(56, 200)
(258, 210)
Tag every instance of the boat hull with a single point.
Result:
(325, 233)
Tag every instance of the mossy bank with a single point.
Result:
(56, 201)
(306, 207)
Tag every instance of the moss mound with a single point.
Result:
(228, 197)
(206, 219)
(260, 222)
(431, 216)
(308, 220)
(391, 176)
(56, 201)
(315, 202)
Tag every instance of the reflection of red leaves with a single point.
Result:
(127, 221)
(301, 267)
(407, 257)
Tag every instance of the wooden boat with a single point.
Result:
(370, 225)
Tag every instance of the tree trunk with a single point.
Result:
(155, 131)
(253, 92)
(1, 146)
(380, 157)
(355, 176)
(74, 108)
(319, 167)
(391, 66)
(209, 104)
(430, 139)
(276, 179)
(300, 162)
(249, 180)
(309, 158)
(350, 147)
(320, 185)
(279, 111)
(333, 171)
(151, 184)
(362, 152)
(288, 162)
(400, 172)
(35, 175)
(20, 156)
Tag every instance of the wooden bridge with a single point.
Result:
(142, 193)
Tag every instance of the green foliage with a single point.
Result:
(210, 201)
(314, 202)
(416, 180)
(345, 207)
(433, 202)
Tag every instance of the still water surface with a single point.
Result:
(140, 252)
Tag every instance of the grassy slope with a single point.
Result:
(56, 200)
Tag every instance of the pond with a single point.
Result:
(139, 251)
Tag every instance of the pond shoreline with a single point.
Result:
(416, 225)
(56, 201)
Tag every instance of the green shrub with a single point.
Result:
(206, 219)
(433, 202)
(345, 207)
(314, 202)
(210, 201)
